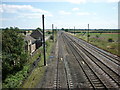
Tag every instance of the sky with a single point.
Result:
(27, 14)
(119, 15)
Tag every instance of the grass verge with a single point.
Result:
(101, 41)
(24, 78)
(38, 72)
(16, 80)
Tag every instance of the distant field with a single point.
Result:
(106, 41)
(105, 36)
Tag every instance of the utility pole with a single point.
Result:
(53, 31)
(56, 30)
(69, 29)
(44, 41)
(88, 33)
(74, 30)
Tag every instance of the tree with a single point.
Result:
(66, 30)
(88, 35)
(62, 29)
(49, 32)
(13, 51)
(110, 40)
(51, 37)
(97, 36)
(39, 29)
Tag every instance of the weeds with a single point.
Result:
(38, 72)
(108, 42)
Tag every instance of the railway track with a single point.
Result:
(57, 77)
(115, 59)
(112, 63)
(62, 73)
(87, 60)
(94, 81)
(115, 76)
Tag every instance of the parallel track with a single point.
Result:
(109, 56)
(92, 76)
(88, 71)
(112, 74)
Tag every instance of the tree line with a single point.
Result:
(14, 55)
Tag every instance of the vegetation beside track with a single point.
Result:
(39, 71)
(14, 58)
(19, 78)
(106, 41)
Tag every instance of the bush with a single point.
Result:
(49, 32)
(97, 36)
(13, 51)
(51, 37)
(110, 40)
(14, 81)
(88, 35)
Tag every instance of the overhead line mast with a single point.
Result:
(88, 34)
(44, 41)
(53, 31)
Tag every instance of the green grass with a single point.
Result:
(102, 41)
(38, 72)
(105, 36)
(34, 77)
(14, 81)
(33, 58)
(22, 78)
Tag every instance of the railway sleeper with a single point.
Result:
(98, 84)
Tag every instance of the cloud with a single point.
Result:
(31, 15)
(83, 13)
(64, 12)
(113, 0)
(15, 8)
(94, 13)
(105, 1)
(75, 9)
(23, 9)
(1, 10)
(6, 19)
(71, 1)
(86, 13)
(34, 0)
(76, 1)
(115, 8)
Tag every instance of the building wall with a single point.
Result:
(38, 43)
(30, 47)
(33, 48)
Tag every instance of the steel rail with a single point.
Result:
(102, 52)
(60, 56)
(114, 76)
(88, 68)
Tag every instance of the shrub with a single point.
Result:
(110, 40)
(14, 81)
(97, 36)
(13, 53)
(88, 35)
(51, 37)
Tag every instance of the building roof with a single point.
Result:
(28, 37)
(36, 34)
